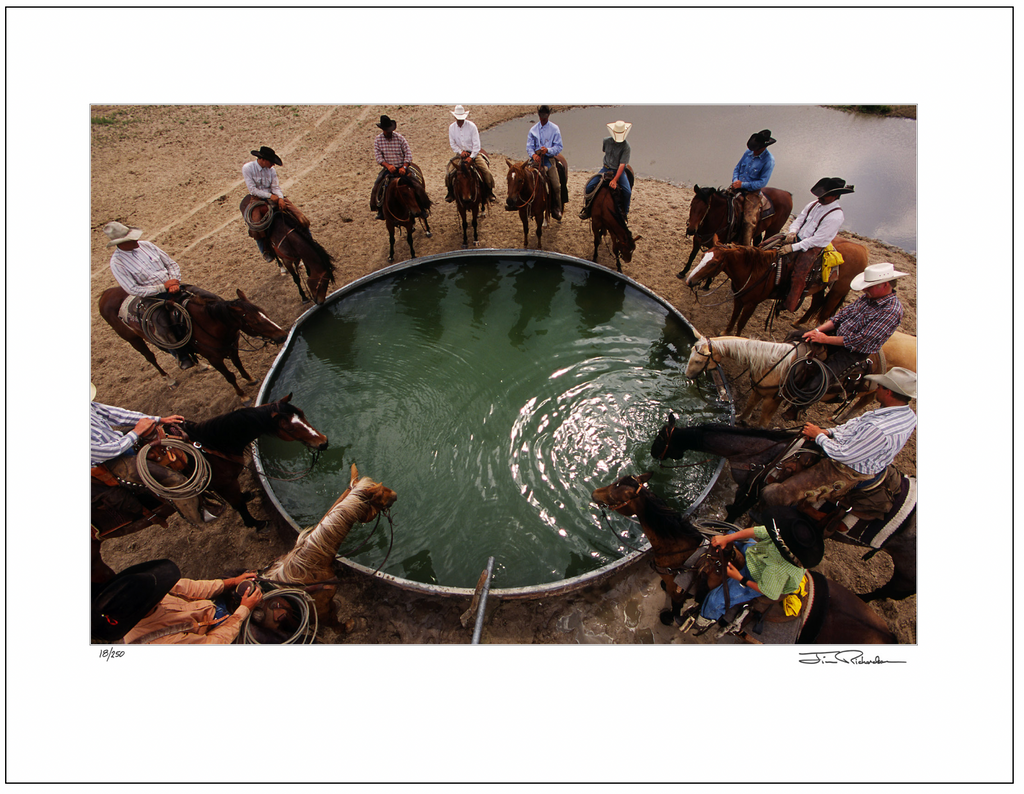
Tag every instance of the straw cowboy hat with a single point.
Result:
(619, 130)
(119, 233)
(460, 113)
(830, 186)
(876, 274)
(266, 153)
(92, 391)
(797, 539)
(898, 379)
(760, 140)
(386, 123)
(129, 596)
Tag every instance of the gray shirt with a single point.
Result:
(615, 154)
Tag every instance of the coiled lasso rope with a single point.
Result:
(194, 485)
(262, 225)
(301, 636)
(801, 397)
(174, 308)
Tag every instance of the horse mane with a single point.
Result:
(233, 431)
(667, 522)
(745, 432)
(307, 237)
(758, 354)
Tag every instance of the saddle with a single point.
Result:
(132, 312)
(605, 178)
(114, 505)
(848, 380)
(873, 515)
(259, 215)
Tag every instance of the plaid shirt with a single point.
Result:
(870, 442)
(866, 324)
(774, 574)
(396, 151)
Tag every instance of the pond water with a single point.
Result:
(493, 392)
(701, 144)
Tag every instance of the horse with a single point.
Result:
(770, 362)
(293, 242)
(709, 217)
(757, 457)
(216, 325)
(753, 276)
(222, 440)
(846, 618)
(528, 193)
(311, 561)
(468, 189)
(605, 217)
(401, 208)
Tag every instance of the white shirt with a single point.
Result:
(261, 182)
(465, 138)
(813, 229)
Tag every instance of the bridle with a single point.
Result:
(520, 175)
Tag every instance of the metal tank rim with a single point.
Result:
(561, 587)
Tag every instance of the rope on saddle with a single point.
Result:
(146, 321)
(194, 484)
(796, 394)
(262, 225)
(307, 612)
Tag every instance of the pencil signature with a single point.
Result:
(843, 657)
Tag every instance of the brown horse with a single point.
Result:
(528, 193)
(674, 539)
(223, 441)
(605, 217)
(759, 457)
(292, 242)
(709, 217)
(752, 275)
(216, 325)
(468, 189)
(401, 208)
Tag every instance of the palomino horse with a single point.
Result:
(528, 193)
(216, 325)
(223, 441)
(402, 208)
(753, 276)
(709, 218)
(674, 539)
(292, 242)
(758, 457)
(605, 217)
(770, 362)
(468, 189)
(312, 559)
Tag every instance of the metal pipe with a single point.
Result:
(483, 602)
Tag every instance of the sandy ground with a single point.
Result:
(175, 171)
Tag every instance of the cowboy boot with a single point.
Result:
(266, 250)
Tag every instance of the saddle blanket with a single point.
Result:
(130, 311)
(875, 533)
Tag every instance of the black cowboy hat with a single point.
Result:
(386, 123)
(760, 140)
(129, 596)
(830, 185)
(795, 536)
(266, 153)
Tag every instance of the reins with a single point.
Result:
(536, 182)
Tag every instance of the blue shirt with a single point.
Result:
(544, 135)
(754, 171)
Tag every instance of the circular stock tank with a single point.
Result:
(493, 391)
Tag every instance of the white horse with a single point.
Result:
(769, 363)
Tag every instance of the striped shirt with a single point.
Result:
(105, 443)
(394, 151)
(261, 182)
(815, 230)
(143, 271)
(870, 442)
(774, 574)
(541, 136)
(867, 323)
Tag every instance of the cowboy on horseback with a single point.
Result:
(262, 183)
(543, 146)
(858, 452)
(768, 561)
(616, 160)
(154, 279)
(464, 140)
(751, 174)
(393, 153)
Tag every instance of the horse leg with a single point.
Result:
(465, 227)
(598, 234)
(744, 316)
(218, 364)
(769, 407)
(426, 227)
(237, 361)
(291, 266)
(408, 234)
(139, 344)
(231, 492)
(526, 228)
(737, 307)
(748, 409)
(540, 223)
(618, 264)
(677, 598)
(476, 239)
(391, 240)
(693, 255)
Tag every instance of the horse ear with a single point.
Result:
(355, 476)
(287, 398)
(671, 420)
(715, 241)
(241, 294)
(643, 478)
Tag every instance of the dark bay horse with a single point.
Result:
(709, 217)
(752, 276)
(223, 441)
(216, 325)
(528, 194)
(605, 217)
(756, 459)
(401, 208)
(293, 242)
(846, 619)
(468, 189)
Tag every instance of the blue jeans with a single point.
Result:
(714, 603)
(627, 189)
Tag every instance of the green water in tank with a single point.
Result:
(492, 395)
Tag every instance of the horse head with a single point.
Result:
(701, 358)
(622, 495)
(699, 208)
(292, 425)
(659, 449)
(709, 266)
(379, 497)
(253, 321)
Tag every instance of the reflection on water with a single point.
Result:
(701, 144)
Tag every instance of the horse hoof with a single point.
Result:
(430, 234)
(681, 275)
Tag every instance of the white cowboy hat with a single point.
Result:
(898, 379)
(119, 233)
(876, 274)
(460, 113)
(619, 130)
(92, 391)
